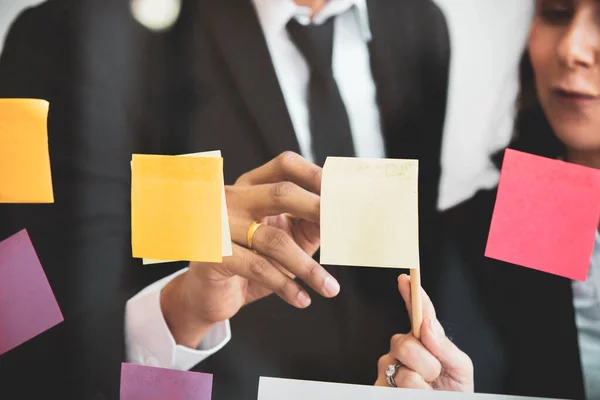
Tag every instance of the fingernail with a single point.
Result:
(331, 286)
(303, 299)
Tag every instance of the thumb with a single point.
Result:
(453, 360)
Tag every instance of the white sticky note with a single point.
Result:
(369, 212)
(227, 247)
(288, 389)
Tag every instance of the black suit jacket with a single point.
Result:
(117, 89)
(531, 311)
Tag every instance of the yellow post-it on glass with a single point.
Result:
(369, 213)
(176, 208)
(25, 175)
(227, 246)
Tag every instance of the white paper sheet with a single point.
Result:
(288, 389)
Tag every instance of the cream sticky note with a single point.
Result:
(369, 212)
(176, 207)
(227, 246)
(290, 389)
(25, 175)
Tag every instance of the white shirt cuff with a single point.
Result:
(150, 342)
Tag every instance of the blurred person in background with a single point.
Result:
(9, 10)
(364, 78)
(550, 324)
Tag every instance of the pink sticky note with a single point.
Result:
(140, 382)
(27, 304)
(546, 215)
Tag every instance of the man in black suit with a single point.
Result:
(213, 82)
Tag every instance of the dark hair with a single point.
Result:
(533, 133)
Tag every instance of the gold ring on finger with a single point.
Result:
(253, 228)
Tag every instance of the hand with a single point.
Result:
(283, 249)
(432, 363)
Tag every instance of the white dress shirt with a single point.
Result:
(586, 302)
(487, 40)
(148, 338)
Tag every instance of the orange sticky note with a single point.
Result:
(25, 175)
(176, 208)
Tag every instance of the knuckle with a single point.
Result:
(316, 173)
(286, 289)
(469, 368)
(258, 267)
(281, 189)
(287, 159)
(313, 272)
(407, 351)
(276, 239)
(382, 363)
(230, 192)
(316, 208)
(241, 179)
(408, 379)
(436, 372)
(395, 340)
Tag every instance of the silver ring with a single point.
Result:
(390, 374)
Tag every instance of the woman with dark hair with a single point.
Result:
(564, 64)
(551, 325)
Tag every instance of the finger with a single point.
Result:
(408, 379)
(405, 377)
(306, 234)
(452, 359)
(254, 267)
(383, 363)
(278, 198)
(381, 381)
(413, 354)
(275, 244)
(288, 166)
(404, 289)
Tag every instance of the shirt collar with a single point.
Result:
(275, 14)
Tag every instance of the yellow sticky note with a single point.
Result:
(227, 245)
(25, 175)
(176, 208)
(369, 212)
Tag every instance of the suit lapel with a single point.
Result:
(239, 36)
(382, 55)
(381, 58)
(393, 51)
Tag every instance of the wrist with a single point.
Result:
(184, 323)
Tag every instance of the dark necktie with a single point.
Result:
(329, 124)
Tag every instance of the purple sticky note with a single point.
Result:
(139, 382)
(27, 304)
